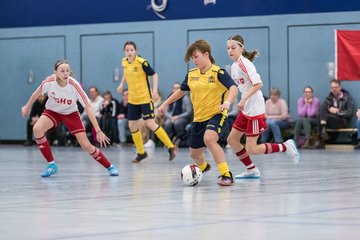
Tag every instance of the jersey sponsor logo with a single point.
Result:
(62, 100)
(194, 79)
(211, 79)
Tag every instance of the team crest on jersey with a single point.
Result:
(135, 69)
(211, 79)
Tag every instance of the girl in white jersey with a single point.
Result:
(251, 117)
(63, 91)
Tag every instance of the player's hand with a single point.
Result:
(358, 113)
(155, 96)
(25, 111)
(225, 106)
(161, 109)
(119, 88)
(102, 139)
(241, 105)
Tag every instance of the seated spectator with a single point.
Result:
(358, 129)
(335, 112)
(277, 117)
(37, 109)
(109, 111)
(95, 102)
(178, 115)
(122, 117)
(308, 109)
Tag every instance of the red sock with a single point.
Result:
(274, 147)
(98, 156)
(245, 159)
(44, 148)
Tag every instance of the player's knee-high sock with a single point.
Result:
(274, 147)
(99, 156)
(223, 169)
(137, 138)
(164, 138)
(245, 159)
(44, 148)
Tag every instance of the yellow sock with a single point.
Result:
(164, 138)
(223, 169)
(137, 138)
(202, 166)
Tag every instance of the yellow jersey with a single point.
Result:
(207, 91)
(137, 77)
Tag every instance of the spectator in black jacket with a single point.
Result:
(335, 112)
(36, 110)
(109, 111)
(122, 117)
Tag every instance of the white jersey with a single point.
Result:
(63, 99)
(245, 76)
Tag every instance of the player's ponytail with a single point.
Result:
(240, 40)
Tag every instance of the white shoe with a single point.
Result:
(249, 174)
(292, 150)
(149, 144)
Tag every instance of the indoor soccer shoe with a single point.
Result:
(225, 180)
(50, 170)
(113, 171)
(249, 174)
(207, 168)
(292, 150)
(172, 152)
(139, 157)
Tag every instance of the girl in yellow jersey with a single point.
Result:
(211, 91)
(136, 74)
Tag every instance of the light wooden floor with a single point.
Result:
(317, 199)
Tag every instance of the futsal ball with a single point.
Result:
(191, 175)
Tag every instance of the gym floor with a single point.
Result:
(317, 199)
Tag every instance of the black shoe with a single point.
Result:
(207, 168)
(357, 146)
(172, 152)
(28, 143)
(324, 135)
(319, 145)
(139, 157)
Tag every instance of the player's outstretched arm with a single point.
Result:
(25, 110)
(172, 98)
(100, 136)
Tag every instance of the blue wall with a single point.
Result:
(294, 51)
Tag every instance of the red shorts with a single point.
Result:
(252, 127)
(72, 121)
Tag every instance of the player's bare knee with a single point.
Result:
(209, 140)
(38, 130)
(231, 140)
